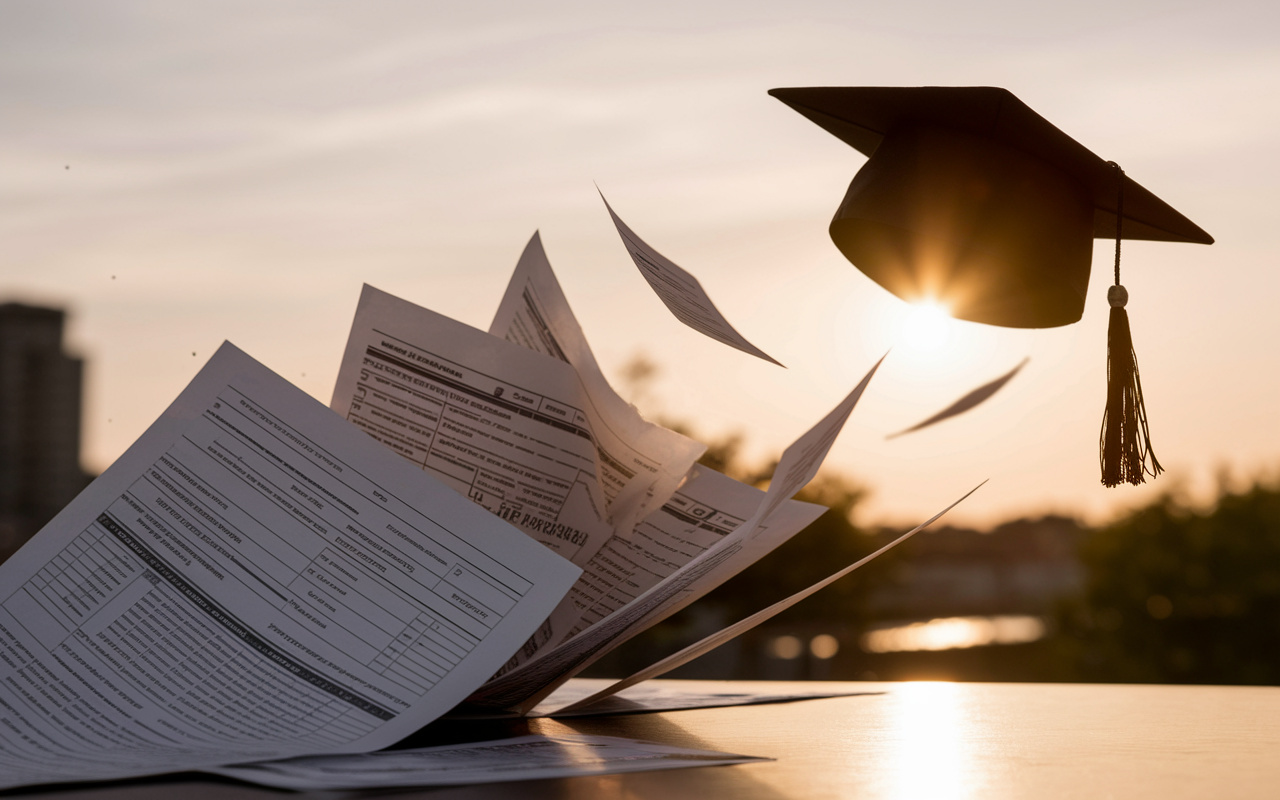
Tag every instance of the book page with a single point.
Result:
(682, 294)
(643, 462)
(773, 521)
(254, 578)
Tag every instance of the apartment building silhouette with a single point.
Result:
(40, 390)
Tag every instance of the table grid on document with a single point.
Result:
(79, 579)
(423, 654)
(426, 445)
(187, 660)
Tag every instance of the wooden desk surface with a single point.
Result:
(915, 740)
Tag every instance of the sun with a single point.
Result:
(926, 327)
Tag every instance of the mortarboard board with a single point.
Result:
(971, 198)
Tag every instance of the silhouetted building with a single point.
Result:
(39, 422)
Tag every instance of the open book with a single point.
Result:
(257, 579)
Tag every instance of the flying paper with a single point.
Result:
(682, 293)
(970, 400)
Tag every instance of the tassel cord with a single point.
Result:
(1125, 440)
(1124, 443)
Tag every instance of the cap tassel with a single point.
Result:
(1125, 442)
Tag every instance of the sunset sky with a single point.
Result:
(177, 174)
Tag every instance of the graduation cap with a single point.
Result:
(971, 198)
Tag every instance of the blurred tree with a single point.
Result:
(1179, 596)
(637, 376)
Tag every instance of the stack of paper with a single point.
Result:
(258, 579)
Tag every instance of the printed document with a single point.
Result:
(515, 431)
(706, 645)
(253, 579)
(775, 518)
(969, 401)
(682, 293)
(571, 699)
(504, 427)
(709, 507)
(523, 758)
(679, 525)
(535, 314)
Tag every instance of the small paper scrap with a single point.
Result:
(682, 293)
(970, 400)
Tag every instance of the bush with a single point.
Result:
(1178, 596)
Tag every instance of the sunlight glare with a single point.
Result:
(929, 759)
(926, 327)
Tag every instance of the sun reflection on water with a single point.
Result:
(954, 633)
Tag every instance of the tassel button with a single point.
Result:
(1118, 296)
